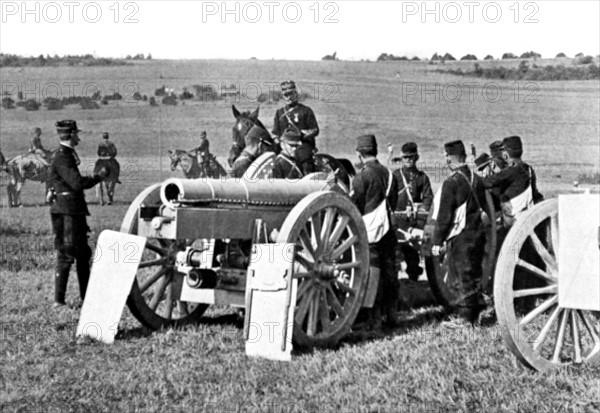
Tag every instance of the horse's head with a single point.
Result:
(175, 157)
(244, 121)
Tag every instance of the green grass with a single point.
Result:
(417, 367)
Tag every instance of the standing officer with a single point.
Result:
(413, 188)
(459, 230)
(371, 187)
(287, 165)
(68, 212)
(295, 114)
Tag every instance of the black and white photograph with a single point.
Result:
(304, 206)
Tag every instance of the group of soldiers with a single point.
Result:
(458, 210)
(458, 207)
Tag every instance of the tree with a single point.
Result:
(508, 56)
(448, 56)
(558, 56)
(469, 57)
(489, 57)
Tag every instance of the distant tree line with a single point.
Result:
(386, 57)
(582, 71)
(12, 60)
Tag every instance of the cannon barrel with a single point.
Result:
(277, 192)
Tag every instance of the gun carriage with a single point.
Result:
(199, 234)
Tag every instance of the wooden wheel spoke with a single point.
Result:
(543, 252)
(349, 265)
(302, 309)
(311, 328)
(541, 339)
(344, 246)
(560, 338)
(317, 227)
(328, 220)
(307, 244)
(303, 274)
(554, 233)
(345, 288)
(334, 302)
(323, 310)
(169, 303)
(593, 332)
(338, 230)
(539, 310)
(151, 263)
(183, 308)
(309, 265)
(156, 248)
(532, 269)
(576, 338)
(304, 286)
(551, 289)
(160, 290)
(152, 279)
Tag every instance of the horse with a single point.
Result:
(244, 121)
(19, 169)
(110, 181)
(192, 169)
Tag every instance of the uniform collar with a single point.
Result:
(292, 105)
(66, 145)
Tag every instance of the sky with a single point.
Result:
(300, 30)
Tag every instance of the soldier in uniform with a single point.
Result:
(373, 185)
(413, 188)
(515, 186)
(459, 231)
(36, 147)
(257, 143)
(107, 149)
(295, 114)
(286, 165)
(68, 212)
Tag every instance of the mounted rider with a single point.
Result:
(302, 118)
(257, 142)
(36, 148)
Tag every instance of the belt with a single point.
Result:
(105, 158)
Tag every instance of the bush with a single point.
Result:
(136, 96)
(87, 103)
(469, 57)
(448, 57)
(152, 101)
(416, 59)
(53, 104)
(32, 105)
(558, 56)
(435, 57)
(160, 91)
(206, 93)
(508, 56)
(489, 57)
(584, 60)
(8, 103)
(170, 100)
(145, 98)
(531, 55)
(185, 95)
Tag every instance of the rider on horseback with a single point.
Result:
(107, 151)
(257, 142)
(301, 117)
(36, 148)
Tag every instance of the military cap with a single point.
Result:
(288, 86)
(366, 142)
(482, 161)
(496, 149)
(455, 148)
(35, 129)
(66, 127)
(105, 135)
(292, 136)
(512, 144)
(409, 149)
(203, 134)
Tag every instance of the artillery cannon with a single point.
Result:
(199, 233)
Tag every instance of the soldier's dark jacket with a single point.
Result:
(242, 163)
(285, 167)
(420, 188)
(369, 186)
(455, 191)
(513, 181)
(68, 183)
(302, 118)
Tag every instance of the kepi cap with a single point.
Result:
(409, 149)
(203, 134)
(496, 149)
(288, 86)
(513, 145)
(482, 161)
(455, 148)
(366, 142)
(105, 135)
(292, 136)
(66, 127)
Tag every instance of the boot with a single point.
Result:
(375, 319)
(83, 276)
(61, 278)
(392, 316)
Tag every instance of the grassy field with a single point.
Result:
(419, 366)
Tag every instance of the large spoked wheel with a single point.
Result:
(331, 265)
(537, 330)
(445, 288)
(154, 296)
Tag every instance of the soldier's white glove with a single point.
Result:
(438, 250)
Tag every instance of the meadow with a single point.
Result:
(419, 366)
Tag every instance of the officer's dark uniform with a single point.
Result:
(302, 118)
(368, 191)
(68, 212)
(107, 151)
(462, 190)
(420, 192)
